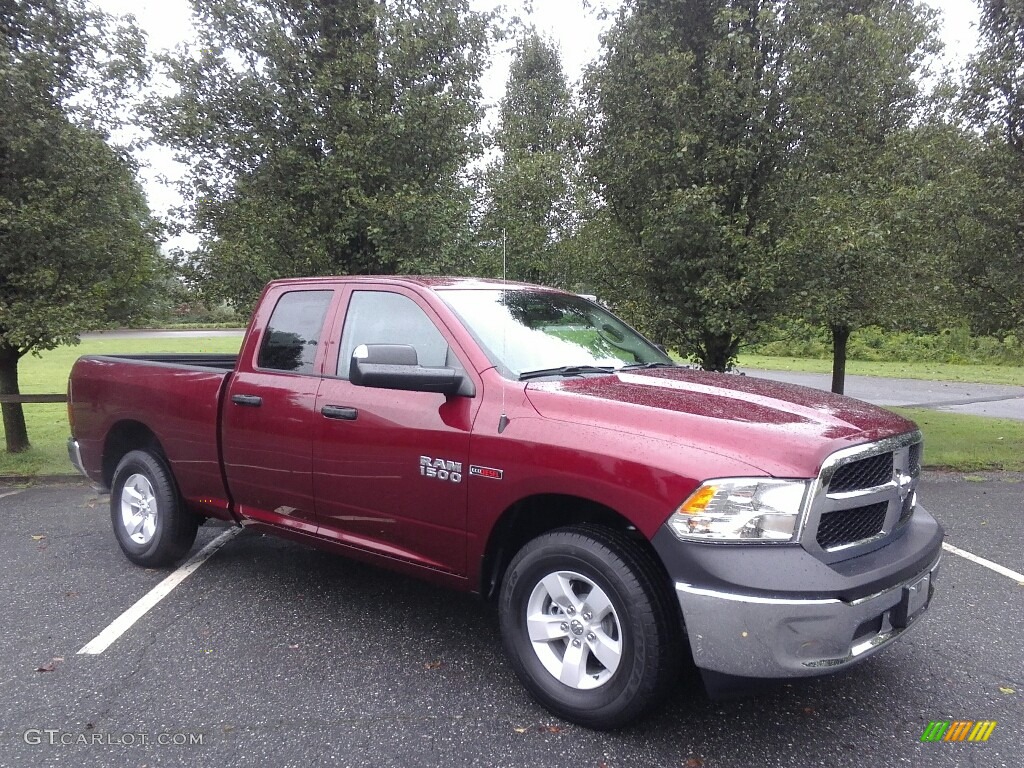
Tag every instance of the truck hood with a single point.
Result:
(783, 429)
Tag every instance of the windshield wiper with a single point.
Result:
(634, 366)
(565, 370)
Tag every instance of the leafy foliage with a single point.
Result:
(852, 94)
(685, 142)
(326, 137)
(955, 346)
(76, 237)
(993, 276)
(530, 190)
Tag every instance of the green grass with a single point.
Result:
(237, 324)
(48, 423)
(978, 374)
(968, 443)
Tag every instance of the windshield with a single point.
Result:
(538, 332)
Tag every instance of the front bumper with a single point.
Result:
(799, 617)
(752, 636)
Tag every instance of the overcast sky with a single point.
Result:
(567, 22)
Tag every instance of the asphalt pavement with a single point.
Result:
(1000, 400)
(271, 654)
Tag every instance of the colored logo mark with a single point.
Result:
(958, 730)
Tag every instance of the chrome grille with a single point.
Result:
(907, 508)
(866, 473)
(863, 495)
(846, 526)
(915, 458)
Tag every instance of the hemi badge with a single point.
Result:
(489, 472)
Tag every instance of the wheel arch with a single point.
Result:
(537, 514)
(122, 438)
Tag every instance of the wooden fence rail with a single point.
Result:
(33, 398)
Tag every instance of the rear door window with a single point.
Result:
(293, 333)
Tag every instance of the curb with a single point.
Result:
(22, 479)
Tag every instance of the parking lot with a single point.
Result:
(270, 654)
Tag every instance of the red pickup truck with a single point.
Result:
(525, 444)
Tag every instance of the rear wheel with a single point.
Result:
(588, 626)
(150, 523)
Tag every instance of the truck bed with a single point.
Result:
(174, 398)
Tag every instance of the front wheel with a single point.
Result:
(150, 523)
(588, 626)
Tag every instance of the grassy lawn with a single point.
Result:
(982, 374)
(968, 443)
(48, 374)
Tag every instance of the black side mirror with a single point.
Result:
(396, 366)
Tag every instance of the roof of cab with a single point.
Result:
(430, 282)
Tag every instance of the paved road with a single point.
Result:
(278, 655)
(956, 397)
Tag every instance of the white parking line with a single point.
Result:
(124, 622)
(1000, 569)
(11, 493)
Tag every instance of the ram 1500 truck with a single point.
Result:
(523, 443)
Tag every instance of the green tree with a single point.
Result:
(327, 137)
(76, 237)
(993, 276)
(940, 210)
(685, 144)
(852, 93)
(529, 190)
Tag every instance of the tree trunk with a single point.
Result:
(14, 416)
(840, 335)
(719, 352)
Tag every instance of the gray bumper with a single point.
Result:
(75, 455)
(768, 637)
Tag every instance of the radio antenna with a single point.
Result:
(503, 421)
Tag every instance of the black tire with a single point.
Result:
(162, 530)
(642, 623)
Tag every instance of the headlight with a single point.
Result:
(741, 509)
